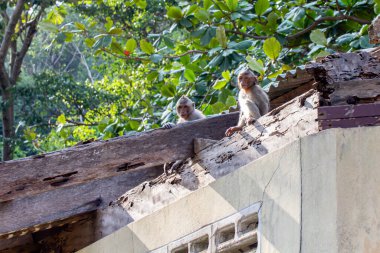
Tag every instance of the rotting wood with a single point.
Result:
(77, 165)
(291, 94)
(281, 126)
(348, 111)
(348, 123)
(344, 67)
(353, 91)
(45, 209)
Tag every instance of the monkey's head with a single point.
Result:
(185, 107)
(246, 79)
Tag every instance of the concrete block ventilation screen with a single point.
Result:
(236, 233)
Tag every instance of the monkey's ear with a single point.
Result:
(193, 105)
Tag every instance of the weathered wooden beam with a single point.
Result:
(354, 91)
(348, 111)
(45, 210)
(348, 123)
(274, 103)
(101, 159)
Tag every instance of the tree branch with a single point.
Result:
(256, 37)
(25, 46)
(323, 19)
(10, 29)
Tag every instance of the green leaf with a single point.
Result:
(146, 47)
(69, 37)
(243, 45)
(345, 38)
(219, 84)
(227, 75)
(185, 60)
(189, 75)
(141, 4)
(115, 31)
(221, 36)
(208, 35)
(156, 58)
(318, 37)
(174, 12)
(152, 75)
(275, 74)
(202, 15)
(261, 6)
(89, 42)
(80, 26)
(255, 65)
(131, 45)
(232, 5)
(61, 119)
(168, 90)
(134, 124)
(207, 4)
(272, 48)
(218, 107)
(116, 47)
(231, 101)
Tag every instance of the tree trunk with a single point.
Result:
(7, 110)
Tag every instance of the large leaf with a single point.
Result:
(189, 75)
(168, 90)
(232, 4)
(318, 37)
(256, 65)
(175, 12)
(221, 36)
(261, 6)
(116, 47)
(131, 45)
(272, 48)
(219, 84)
(242, 45)
(202, 15)
(146, 47)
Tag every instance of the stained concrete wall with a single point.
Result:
(318, 194)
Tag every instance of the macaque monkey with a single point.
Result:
(253, 101)
(186, 112)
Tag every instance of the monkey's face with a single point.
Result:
(185, 110)
(246, 80)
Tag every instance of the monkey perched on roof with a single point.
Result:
(186, 112)
(253, 101)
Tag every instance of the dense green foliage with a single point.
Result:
(115, 67)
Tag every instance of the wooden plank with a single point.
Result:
(44, 210)
(351, 122)
(290, 95)
(348, 111)
(354, 91)
(100, 159)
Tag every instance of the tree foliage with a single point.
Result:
(146, 54)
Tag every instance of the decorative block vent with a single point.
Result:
(236, 233)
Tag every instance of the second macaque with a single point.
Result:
(186, 112)
(253, 101)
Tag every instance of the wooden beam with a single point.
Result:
(101, 159)
(348, 111)
(354, 91)
(348, 123)
(45, 210)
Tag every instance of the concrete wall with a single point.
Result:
(318, 194)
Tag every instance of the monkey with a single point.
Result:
(186, 112)
(253, 101)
